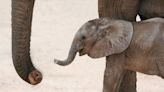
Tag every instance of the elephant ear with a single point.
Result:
(112, 38)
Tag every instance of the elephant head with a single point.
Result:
(99, 38)
(22, 11)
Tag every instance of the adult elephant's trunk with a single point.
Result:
(72, 53)
(21, 31)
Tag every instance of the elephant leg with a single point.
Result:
(127, 10)
(142, 17)
(151, 8)
(127, 81)
(21, 31)
(119, 9)
(114, 74)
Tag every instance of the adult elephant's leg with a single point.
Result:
(127, 10)
(151, 8)
(119, 9)
(21, 31)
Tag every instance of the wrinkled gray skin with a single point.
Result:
(128, 10)
(128, 46)
(22, 11)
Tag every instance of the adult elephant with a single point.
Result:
(128, 10)
(22, 11)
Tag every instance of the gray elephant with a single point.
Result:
(128, 46)
(22, 11)
(128, 10)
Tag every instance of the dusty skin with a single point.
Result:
(84, 75)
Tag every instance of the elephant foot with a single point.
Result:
(35, 77)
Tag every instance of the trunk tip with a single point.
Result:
(35, 77)
(56, 61)
(61, 63)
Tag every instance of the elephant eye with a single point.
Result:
(83, 37)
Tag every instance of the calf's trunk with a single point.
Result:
(72, 53)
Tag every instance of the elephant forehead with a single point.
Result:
(82, 31)
(86, 30)
(106, 20)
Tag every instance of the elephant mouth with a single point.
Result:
(82, 52)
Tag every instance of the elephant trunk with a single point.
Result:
(72, 53)
(21, 31)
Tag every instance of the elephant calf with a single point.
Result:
(137, 46)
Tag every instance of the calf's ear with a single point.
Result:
(113, 37)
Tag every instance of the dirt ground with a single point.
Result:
(54, 25)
